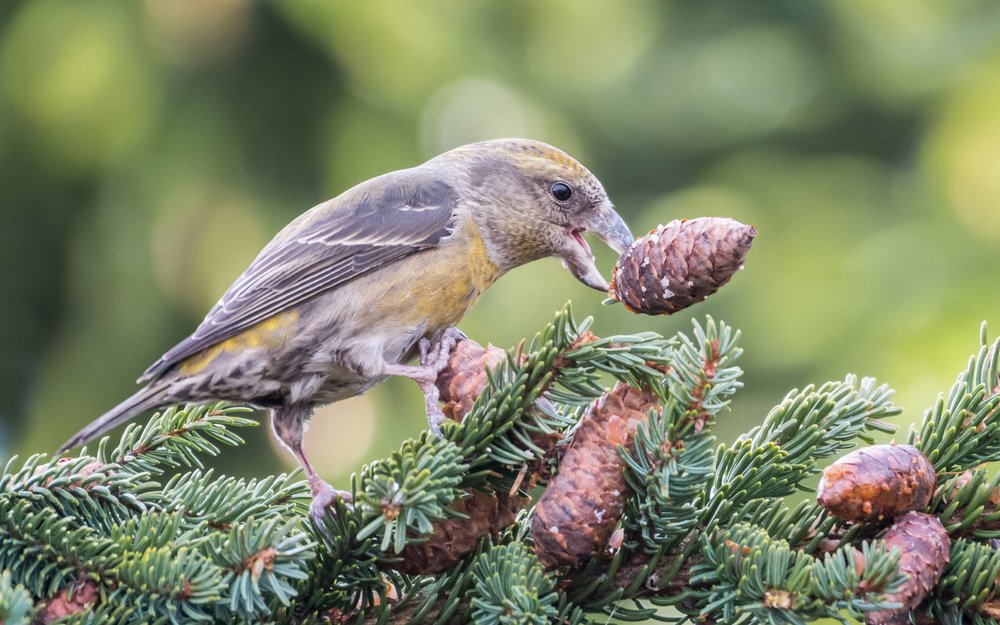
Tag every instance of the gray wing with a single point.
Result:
(360, 231)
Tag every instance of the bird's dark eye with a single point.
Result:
(561, 191)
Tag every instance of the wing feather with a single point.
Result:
(366, 228)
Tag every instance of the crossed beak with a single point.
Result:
(610, 228)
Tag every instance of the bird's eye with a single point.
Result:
(561, 191)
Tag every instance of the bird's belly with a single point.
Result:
(335, 389)
(343, 366)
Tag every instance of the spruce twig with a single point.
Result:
(140, 532)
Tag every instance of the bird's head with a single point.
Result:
(531, 200)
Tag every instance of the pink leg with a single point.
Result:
(426, 379)
(323, 494)
(288, 426)
(433, 359)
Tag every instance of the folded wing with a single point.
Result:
(367, 228)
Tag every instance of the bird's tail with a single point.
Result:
(144, 399)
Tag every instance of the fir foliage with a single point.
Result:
(774, 458)
(16, 606)
(185, 551)
(961, 432)
(707, 529)
(510, 587)
(756, 578)
(404, 494)
(968, 586)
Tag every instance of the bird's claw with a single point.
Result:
(425, 349)
(325, 496)
(453, 335)
(434, 359)
(434, 356)
(435, 417)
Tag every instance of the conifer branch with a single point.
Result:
(441, 531)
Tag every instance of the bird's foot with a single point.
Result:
(323, 497)
(435, 356)
(434, 359)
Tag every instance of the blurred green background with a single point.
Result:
(148, 150)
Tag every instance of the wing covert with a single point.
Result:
(328, 246)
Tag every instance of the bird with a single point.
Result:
(356, 288)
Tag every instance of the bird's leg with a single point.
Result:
(288, 426)
(433, 360)
(426, 379)
(323, 495)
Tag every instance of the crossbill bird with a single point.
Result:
(355, 288)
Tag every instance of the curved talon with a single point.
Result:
(324, 496)
(435, 356)
(454, 335)
(425, 350)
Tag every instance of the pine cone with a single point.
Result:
(925, 550)
(461, 382)
(583, 503)
(86, 594)
(877, 483)
(453, 539)
(680, 264)
(465, 377)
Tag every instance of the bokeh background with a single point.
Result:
(149, 149)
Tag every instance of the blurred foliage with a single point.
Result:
(148, 150)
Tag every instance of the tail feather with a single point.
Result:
(144, 399)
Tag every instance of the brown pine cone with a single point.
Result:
(461, 382)
(86, 595)
(465, 377)
(877, 483)
(680, 264)
(583, 503)
(925, 550)
(453, 539)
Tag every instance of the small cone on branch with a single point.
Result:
(461, 382)
(582, 504)
(464, 378)
(925, 550)
(453, 539)
(680, 264)
(85, 595)
(877, 483)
